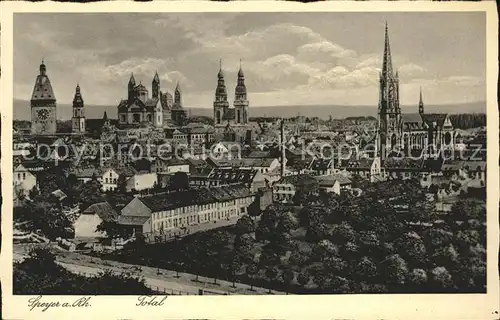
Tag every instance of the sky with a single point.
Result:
(288, 58)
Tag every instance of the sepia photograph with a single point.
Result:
(160, 154)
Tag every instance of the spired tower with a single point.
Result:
(240, 100)
(131, 88)
(389, 112)
(221, 105)
(43, 105)
(78, 119)
(421, 103)
(156, 86)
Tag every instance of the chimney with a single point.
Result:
(282, 145)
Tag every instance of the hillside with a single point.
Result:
(22, 110)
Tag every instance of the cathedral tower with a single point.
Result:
(156, 86)
(221, 105)
(131, 88)
(240, 100)
(388, 109)
(43, 105)
(78, 119)
(421, 103)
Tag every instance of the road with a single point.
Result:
(158, 279)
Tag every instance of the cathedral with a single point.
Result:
(157, 110)
(410, 130)
(231, 121)
(43, 105)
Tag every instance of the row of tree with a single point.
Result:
(468, 120)
(40, 274)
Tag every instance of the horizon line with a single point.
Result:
(296, 105)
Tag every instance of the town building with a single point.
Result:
(78, 119)
(140, 108)
(182, 212)
(86, 224)
(24, 179)
(43, 105)
(411, 131)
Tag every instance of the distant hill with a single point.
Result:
(22, 110)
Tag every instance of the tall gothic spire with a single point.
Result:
(240, 72)
(387, 62)
(421, 103)
(220, 75)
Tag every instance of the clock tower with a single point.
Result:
(43, 105)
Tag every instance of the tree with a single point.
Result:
(339, 285)
(234, 268)
(33, 193)
(179, 181)
(365, 269)
(90, 193)
(446, 256)
(395, 270)
(441, 278)
(287, 222)
(252, 270)
(335, 265)
(303, 278)
(272, 274)
(418, 277)
(342, 233)
(245, 224)
(121, 184)
(287, 277)
(297, 260)
(243, 246)
(412, 246)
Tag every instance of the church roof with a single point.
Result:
(438, 118)
(411, 118)
(42, 90)
(149, 104)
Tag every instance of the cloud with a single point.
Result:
(280, 60)
(411, 70)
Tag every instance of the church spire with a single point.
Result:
(78, 100)
(387, 62)
(421, 103)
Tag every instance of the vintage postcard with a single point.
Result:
(250, 161)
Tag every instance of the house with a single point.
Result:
(179, 213)
(85, 174)
(86, 224)
(404, 167)
(285, 188)
(171, 165)
(23, 179)
(109, 180)
(322, 167)
(368, 168)
(200, 135)
(135, 217)
(141, 181)
(250, 178)
(329, 184)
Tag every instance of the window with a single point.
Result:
(24, 175)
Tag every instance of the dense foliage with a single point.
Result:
(468, 120)
(387, 240)
(40, 274)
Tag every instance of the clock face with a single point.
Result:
(43, 114)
